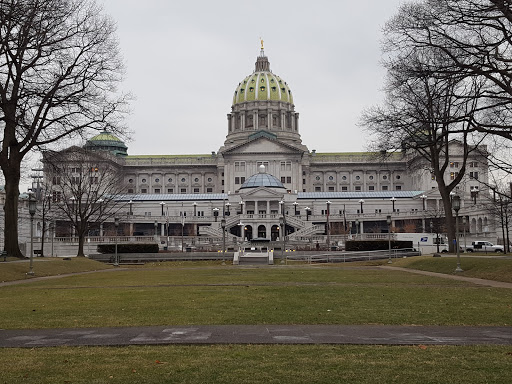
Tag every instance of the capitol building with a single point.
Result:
(263, 172)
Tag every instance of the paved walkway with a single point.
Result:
(474, 280)
(258, 334)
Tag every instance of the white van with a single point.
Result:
(425, 242)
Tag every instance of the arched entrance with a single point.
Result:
(262, 232)
(248, 233)
(274, 232)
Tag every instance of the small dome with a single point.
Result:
(106, 141)
(262, 85)
(262, 180)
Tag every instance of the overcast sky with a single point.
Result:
(184, 60)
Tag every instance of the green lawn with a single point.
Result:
(208, 293)
(182, 294)
(278, 364)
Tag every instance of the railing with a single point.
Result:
(341, 257)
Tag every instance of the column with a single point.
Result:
(101, 229)
(256, 210)
(230, 122)
(242, 118)
(131, 229)
(282, 120)
(269, 119)
(255, 121)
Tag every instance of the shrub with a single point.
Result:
(376, 245)
(128, 248)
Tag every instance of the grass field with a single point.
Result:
(208, 293)
(249, 364)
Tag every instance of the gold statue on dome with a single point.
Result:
(261, 43)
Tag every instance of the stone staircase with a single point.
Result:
(253, 258)
(308, 231)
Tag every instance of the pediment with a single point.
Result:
(263, 144)
(262, 192)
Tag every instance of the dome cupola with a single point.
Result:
(262, 179)
(106, 141)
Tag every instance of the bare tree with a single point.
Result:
(59, 68)
(85, 188)
(426, 117)
(474, 38)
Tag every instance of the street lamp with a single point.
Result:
(361, 202)
(116, 225)
(194, 204)
(464, 228)
(241, 203)
(131, 204)
(456, 208)
(393, 199)
(388, 221)
(223, 226)
(281, 226)
(162, 204)
(424, 198)
(328, 229)
(32, 210)
(52, 232)
(281, 207)
(215, 213)
(357, 227)
(295, 204)
(72, 199)
(308, 212)
(228, 204)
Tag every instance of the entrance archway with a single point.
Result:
(262, 232)
(274, 232)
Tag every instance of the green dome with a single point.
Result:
(262, 85)
(106, 141)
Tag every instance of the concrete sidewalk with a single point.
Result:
(259, 334)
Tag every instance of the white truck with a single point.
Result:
(425, 242)
(483, 246)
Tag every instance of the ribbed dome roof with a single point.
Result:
(108, 142)
(262, 85)
(262, 179)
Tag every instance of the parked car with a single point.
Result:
(483, 246)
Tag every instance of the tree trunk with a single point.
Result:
(12, 194)
(449, 219)
(81, 241)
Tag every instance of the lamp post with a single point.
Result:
(393, 199)
(72, 199)
(308, 212)
(116, 225)
(328, 228)
(241, 203)
(52, 232)
(357, 228)
(131, 204)
(228, 204)
(388, 221)
(194, 204)
(162, 205)
(424, 198)
(456, 208)
(223, 226)
(281, 226)
(281, 207)
(295, 204)
(32, 210)
(215, 213)
(464, 228)
(361, 202)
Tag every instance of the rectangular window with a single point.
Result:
(143, 190)
(209, 190)
(196, 190)
(398, 187)
(371, 188)
(283, 179)
(56, 197)
(288, 179)
(157, 190)
(222, 182)
(242, 180)
(303, 181)
(303, 173)
(452, 175)
(318, 189)
(170, 190)
(130, 190)
(265, 163)
(183, 190)
(358, 188)
(473, 175)
(239, 166)
(237, 180)
(331, 189)
(344, 189)
(384, 187)
(286, 165)
(56, 180)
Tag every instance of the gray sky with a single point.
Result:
(184, 60)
